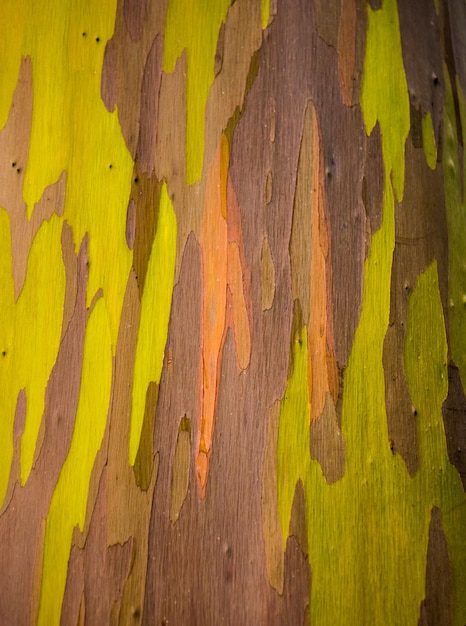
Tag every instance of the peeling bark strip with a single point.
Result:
(233, 312)
(223, 303)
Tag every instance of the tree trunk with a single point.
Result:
(233, 328)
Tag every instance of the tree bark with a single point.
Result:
(233, 312)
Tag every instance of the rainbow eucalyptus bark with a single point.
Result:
(233, 312)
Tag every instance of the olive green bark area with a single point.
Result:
(384, 95)
(368, 532)
(454, 174)
(426, 372)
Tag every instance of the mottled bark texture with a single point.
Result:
(233, 312)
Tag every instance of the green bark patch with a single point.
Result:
(368, 532)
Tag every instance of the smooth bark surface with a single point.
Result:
(233, 312)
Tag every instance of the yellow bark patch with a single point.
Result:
(30, 337)
(69, 500)
(428, 141)
(155, 314)
(194, 26)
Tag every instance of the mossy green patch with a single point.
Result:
(428, 141)
(455, 201)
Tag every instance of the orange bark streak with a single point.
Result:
(322, 371)
(214, 244)
(222, 263)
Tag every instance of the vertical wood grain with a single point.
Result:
(232, 312)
